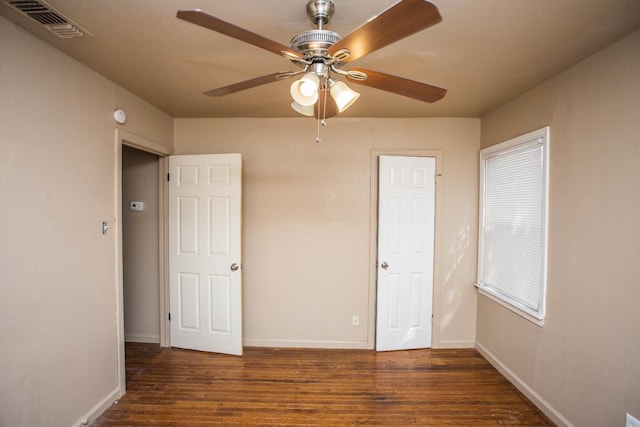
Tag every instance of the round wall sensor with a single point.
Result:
(120, 116)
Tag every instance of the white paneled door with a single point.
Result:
(204, 252)
(406, 228)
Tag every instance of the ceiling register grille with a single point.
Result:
(50, 18)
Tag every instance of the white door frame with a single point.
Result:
(131, 140)
(373, 239)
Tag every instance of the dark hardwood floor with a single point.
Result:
(302, 387)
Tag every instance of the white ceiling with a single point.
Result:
(484, 52)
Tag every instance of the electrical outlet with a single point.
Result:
(355, 320)
(632, 421)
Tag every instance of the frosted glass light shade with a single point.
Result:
(306, 110)
(305, 90)
(343, 95)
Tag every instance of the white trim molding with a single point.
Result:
(347, 345)
(144, 338)
(94, 413)
(461, 343)
(513, 224)
(125, 138)
(525, 388)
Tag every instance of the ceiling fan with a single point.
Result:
(321, 53)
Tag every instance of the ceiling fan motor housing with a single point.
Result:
(320, 11)
(314, 43)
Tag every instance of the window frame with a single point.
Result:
(542, 136)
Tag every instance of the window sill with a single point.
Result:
(511, 307)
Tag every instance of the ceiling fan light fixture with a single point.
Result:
(305, 110)
(343, 95)
(305, 90)
(321, 52)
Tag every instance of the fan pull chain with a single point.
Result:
(318, 139)
(324, 110)
(323, 122)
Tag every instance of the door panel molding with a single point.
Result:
(373, 238)
(205, 215)
(406, 241)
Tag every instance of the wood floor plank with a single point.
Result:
(316, 387)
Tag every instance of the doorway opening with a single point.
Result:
(140, 242)
(130, 149)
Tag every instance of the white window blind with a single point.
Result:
(512, 244)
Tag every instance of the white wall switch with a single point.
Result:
(136, 206)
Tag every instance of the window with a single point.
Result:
(512, 246)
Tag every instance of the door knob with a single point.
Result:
(384, 265)
(234, 267)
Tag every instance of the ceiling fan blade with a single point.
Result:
(198, 17)
(401, 20)
(400, 86)
(247, 84)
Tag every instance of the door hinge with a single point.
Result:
(169, 317)
(168, 177)
(435, 178)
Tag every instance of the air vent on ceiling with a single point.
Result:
(50, 18)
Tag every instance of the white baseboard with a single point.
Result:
(95, 412)
(471, 343)
(148, 338)
(354, 345)
(537, 400)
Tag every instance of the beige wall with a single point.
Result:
(584, 362)
(57, 271)
(307, 232)
(140, 245)
(306, 228)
